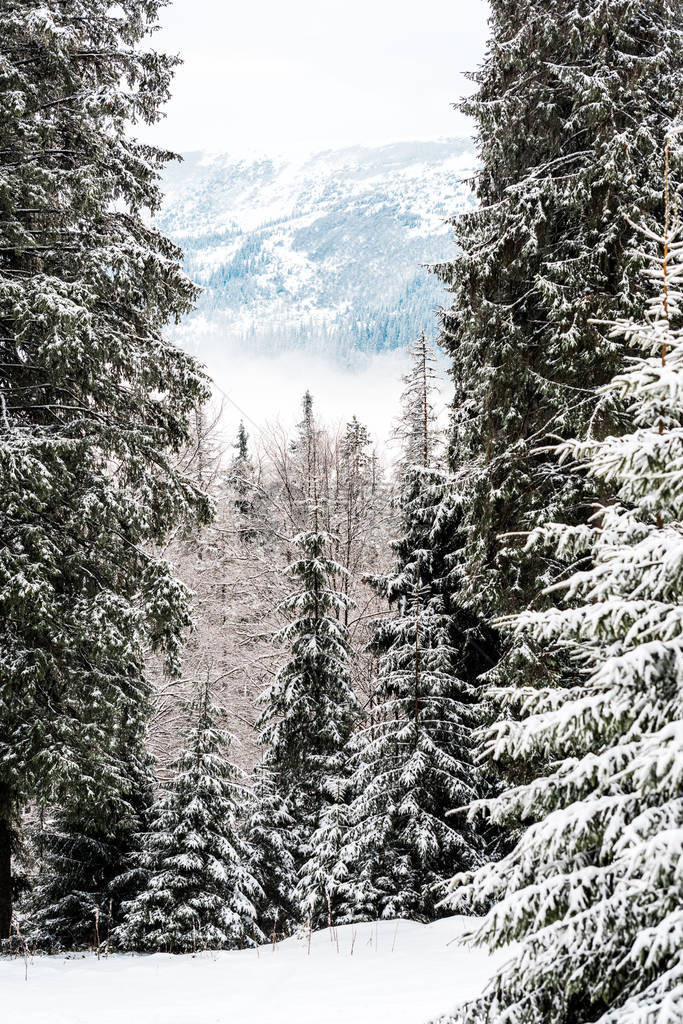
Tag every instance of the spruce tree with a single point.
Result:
(199, 891)
(268, 825)
(310, 708)
(327, 888)
(355, 495)
(241, 482)
(305, 448)
(90, 861)
(93, 401)
(425, 494)
(417, 430)
(391, 841)
(412, 767)
(420, 478)
(572, 104)
(593, 890)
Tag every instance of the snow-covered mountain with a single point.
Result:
(324, 254)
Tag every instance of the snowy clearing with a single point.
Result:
(403, 973)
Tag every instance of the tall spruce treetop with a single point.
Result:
(416, 430)
(420, 476)
(573, 102)
(593, 890)
(426, 515)
(93, 400)
(355, 497)
(240, 466)
(241, 480)
(305, 446)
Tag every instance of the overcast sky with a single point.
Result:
(273, 76)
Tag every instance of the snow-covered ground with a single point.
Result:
(385, 973)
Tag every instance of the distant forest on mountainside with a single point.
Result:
(327, 254)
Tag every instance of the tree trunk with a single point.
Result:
(5, 876)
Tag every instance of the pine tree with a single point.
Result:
(417, 431)
(328, 485)
(572, 104)
(412, 766)
(423, 488)
(305, 447)
(420, 479)
(355, 495)
(199, 891)
(593, 889)
(241, 481)
(268, 828)
(93, 401)
(310, 709)
(326, 891)
(90, 862)
(412, 760)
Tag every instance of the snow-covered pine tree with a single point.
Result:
(90, 861)
(267, 829)
(326, 891)
(93, 401)
(313, 476)
(355, 493)
(572, 105)
(199, 891)
(593, 890)
(412, 766)
(322, 895)
(419, 478)
(417, 430)
(305, 447)
(310, 708)
(413, 758)
(424, 489)
(241, 482)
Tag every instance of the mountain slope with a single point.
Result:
(322, 254)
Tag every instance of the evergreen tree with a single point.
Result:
(93, 402)
(305, 447)
(310, 709)
(326, 891)
(420, 481)
(91, 862)
(241, 481)
(417, 430)
(593, 889)
(199, 891)
(412, 766)
(268, 828)
(355, 486)
(412, 761)
(424, 497)
(572, 106)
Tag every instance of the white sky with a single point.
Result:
(287, 75)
